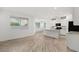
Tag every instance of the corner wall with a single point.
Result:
(7, 33)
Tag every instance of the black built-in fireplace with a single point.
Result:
(73, 27)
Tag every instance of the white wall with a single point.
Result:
(6, 32)
(3, 26)
(76, 15)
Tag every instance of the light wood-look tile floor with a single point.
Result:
(35, 43)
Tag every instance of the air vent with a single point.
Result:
(63, 17)
(53, 19)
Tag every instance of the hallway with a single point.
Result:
(35, 43)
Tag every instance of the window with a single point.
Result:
(18, 21)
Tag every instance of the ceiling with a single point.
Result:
(41, 12)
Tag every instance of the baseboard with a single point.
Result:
(18, 37)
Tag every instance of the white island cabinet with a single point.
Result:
(73, 40)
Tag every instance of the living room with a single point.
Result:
(39, 29)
